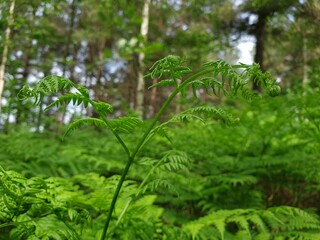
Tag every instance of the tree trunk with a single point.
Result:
(5, 50)
(21, 108)
(260, 36)
(61, 118)
(141, 56)
(305, 63)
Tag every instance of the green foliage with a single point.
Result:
(274, 223)
(224, 188)
(125, 124)
(58, 208)
(89, 121)
(232, 80)
(235, 172)
(47, 86)
(170, 67)
(218, 76)
(38, 207)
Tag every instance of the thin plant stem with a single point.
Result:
(141, 143)
(124, 146)
(138, 192)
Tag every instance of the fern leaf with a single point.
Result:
(298, 219)
(213, 112)
(169, 67)
(159, 183)
(125, 124)
(46, 86)
(174, 160)
(186, 117)
(234, 78)
(76, 99)
(102, 108)
(163, 83)
(84, 91)
(51, 227)
(148, 161)
(235, 179)
(241, 222)
(194, 229)
(194, 114)
(257, 221)
(162, 131)
(273, 222)
(86, 121)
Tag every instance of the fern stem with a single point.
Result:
(164, 107)
(124, 146)
(138, 192)
(194, 77)
(115, 197)
(141, 143)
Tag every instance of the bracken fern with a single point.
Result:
(219, 76)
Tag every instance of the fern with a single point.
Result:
(230, 83)
(171, 67)
(171, 161)
(48, 85)
(276, 222)
(125, 124)
(199, 114)
(102, 108)
(162, 83)
(48, 227)
(80, 122)
(76, 99)
(218, 76)
(28, 205)
(234, 179)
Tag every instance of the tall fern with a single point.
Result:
(219, 76)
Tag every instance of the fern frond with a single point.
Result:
(298, 220)
(53, 84)
(51, 227)
(213, 112)
(273, 222)
(159, 183)
(186, 117)
(164, 83)
(174, 160)
(231, 79)
(197, 113)
(48, 85)
(200, 114)
(170, 67)
(85, 121)
(102, 108)
(234, 179)
(76, 99)
(83, 90)
(125, 124)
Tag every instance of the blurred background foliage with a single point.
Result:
(197, 181)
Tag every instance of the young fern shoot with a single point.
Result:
(217, 77)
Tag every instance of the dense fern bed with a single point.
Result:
(256, 180)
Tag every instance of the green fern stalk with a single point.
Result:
(140, 144)
(225, 78)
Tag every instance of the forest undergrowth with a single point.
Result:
(204, 181)
(243, 170)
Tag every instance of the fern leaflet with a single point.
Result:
(85, 121)
(125, 124)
